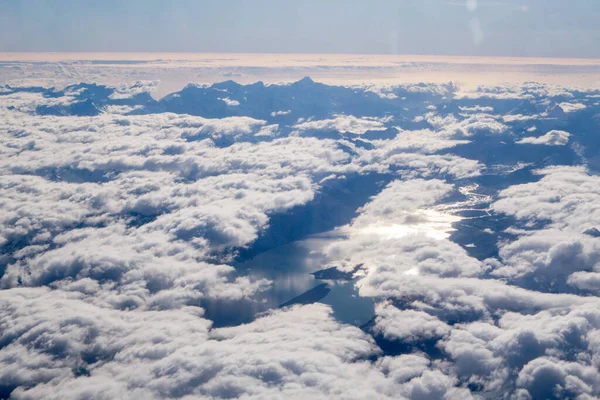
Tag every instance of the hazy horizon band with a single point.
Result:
(305, 59)
(176, 70)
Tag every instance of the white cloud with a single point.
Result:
(297, 353)
(409, 154)
(421, 141)
(559, 256)
(548, 257)
(407, 325)
(112, 109)
(477, 109)
(125, 91)
(344, 123)
(583, 280)
(473, 124)
(564, 195)
(229, 102)
(120, 228)
(572, 107)
(276, 113)
(552, 138)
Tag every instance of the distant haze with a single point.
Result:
(175, 70)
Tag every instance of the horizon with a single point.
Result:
(258, 54)
(176, 70)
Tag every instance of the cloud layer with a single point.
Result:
(126, 219)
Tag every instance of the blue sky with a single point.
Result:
(554, 28)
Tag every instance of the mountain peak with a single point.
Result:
(304, 81)
(229, 84)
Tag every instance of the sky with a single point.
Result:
(535, 28)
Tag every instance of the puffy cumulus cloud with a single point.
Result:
(565, 196)
(538, 350)
(488, 332)
(108, 141)
(495, 93)
(473, 124)
(122, 110)
(51, 338)
(344, 123)
(223, 224)
(157, 193)
(492, 354)
(277, 113)
(230, 126)
(407, 325)
(552, 138)
(229, 102)
(33, 207)
(125, 91)
(572, 107)
(102, 353)
(27, 102)
(511, 338)
(107, 167)
(477, 109)
(512, 118)
(585, 280)
(545, 378)
(429, 166)
(545, 259)
(412, 155)
(495, 307)
(161, 142)
(419, 141)
(225, 210)
(129, 268)
(520, 91)
(461, 298)
(562, 254)
(403, 91)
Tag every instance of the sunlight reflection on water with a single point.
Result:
(289, 266)
(433, 224)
